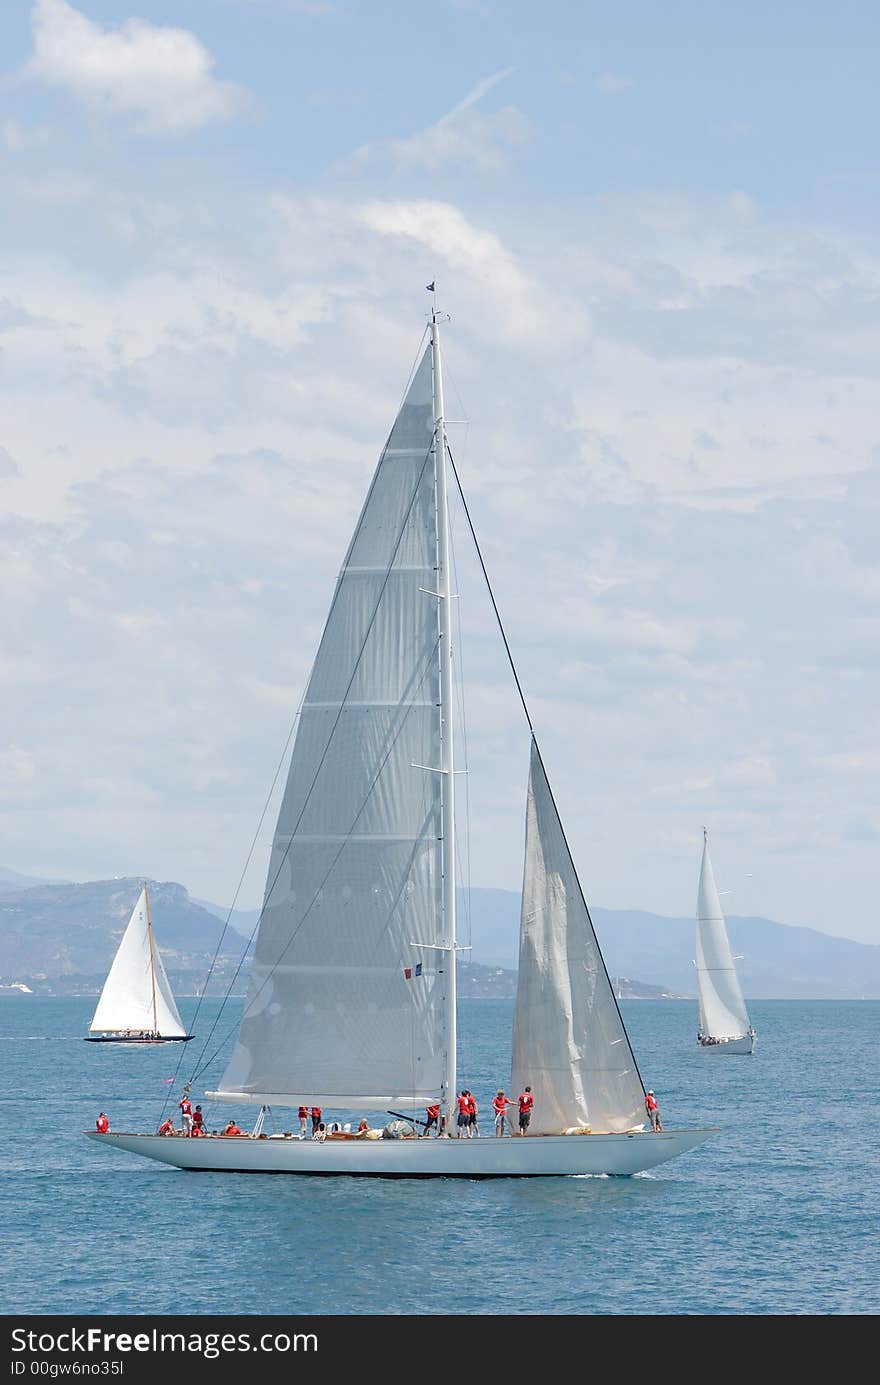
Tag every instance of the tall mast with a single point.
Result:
(151, 941)
(447, 765)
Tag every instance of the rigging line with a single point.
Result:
(540, 756)
(372, 621)
(270, 889)
(379, 599)
(292, 939)
(335, 597)
(489, 589)
(235, 896)
(466, 868)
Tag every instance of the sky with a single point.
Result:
(654, 230)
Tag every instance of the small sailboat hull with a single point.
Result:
(745, 1044)
(530, 1157)
(138, 1039)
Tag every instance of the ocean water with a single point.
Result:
(777, 1214)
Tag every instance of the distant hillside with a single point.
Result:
(54, 931)
(65, 935)
(779, 961)
(12, 880)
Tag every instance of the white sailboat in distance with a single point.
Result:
(351, 1004)
(724, 1020)
(136, 1004)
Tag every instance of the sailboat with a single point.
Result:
(351, 1002)
(136, 1004)
(724, 1020)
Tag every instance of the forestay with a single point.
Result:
(723, 1011)
(353, 890)
(127, 1000)
(569, 1043)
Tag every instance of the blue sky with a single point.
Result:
(654, 228)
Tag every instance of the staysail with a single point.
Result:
(723, 1011)
(345, 1005)
(569, 1043)
(136, 994)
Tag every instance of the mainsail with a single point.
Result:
(569, 1043)
(723, 1011)
(345, 1005)
(136, 994)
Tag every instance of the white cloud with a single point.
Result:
(464, 138)
(693, 612)
(612, 83)
(159, 76)
(18, 137)
(8, 465)
(854, 762)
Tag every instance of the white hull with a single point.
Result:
(516, 1157)
(746, 1044)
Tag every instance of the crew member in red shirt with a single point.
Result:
(303, 1114)
(102, 1124)
(473, 1127)
(186, 1111)
(463, 1124)
(316, 1119)
(526, 1102)
(500, 1104)
(433, 1117)
(167, 1127)
(232, 1129)
(198, 1125)
(653, 1111)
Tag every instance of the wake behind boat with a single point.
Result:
(351, 1002)
(136, 1005)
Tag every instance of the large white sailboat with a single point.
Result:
(351, 1003)
(724, 1020)
(137, 1004)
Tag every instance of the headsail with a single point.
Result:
(723, 1011)
(354, 881)
(127, 1000)
(569, 1043)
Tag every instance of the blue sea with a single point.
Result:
(777, 1214)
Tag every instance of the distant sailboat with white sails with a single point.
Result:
(724, 1020)
(137, 1005)
(351, 1004)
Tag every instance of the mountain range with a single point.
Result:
(61, 937)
